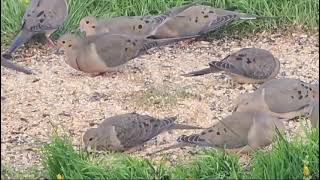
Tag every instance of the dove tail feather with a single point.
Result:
(10, 65)
(201, 72)
(21, 38)
(252, 17)
(184, 126)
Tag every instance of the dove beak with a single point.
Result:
(58, 51)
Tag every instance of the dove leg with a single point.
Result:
(51, 43)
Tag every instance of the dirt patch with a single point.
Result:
(64, 100)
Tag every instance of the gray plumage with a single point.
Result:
(105, 52)
(248, 65)
(240, 132)
(197, 19)
(41, 16)
(130, 25)
(283, 98)
(122, 132)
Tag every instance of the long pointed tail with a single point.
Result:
(222, 21)
(201, 72)
(21, 38)
(185, 126)
(243, 16)
(6, 63)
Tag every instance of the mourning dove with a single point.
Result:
(240, 132)
(41, 16)
(102, 53)
(283, 98)
(6, 63)
(131, 25)
(248, 65)
(198, 19)
(127, 131)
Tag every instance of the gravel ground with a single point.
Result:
(60, 99)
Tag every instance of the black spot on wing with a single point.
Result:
(40, 13)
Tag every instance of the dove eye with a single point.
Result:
(90, 139)
(63, 42)
(87, 22)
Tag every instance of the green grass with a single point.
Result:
(210, 165)
(294, 12)
(285, 161)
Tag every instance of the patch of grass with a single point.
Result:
(60, 158)
(210, 165)
(294, 12)
(161, 97)
(287, 160)
(8, 172)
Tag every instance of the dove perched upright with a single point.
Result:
(131, 25)
(240, 132)
(283, 98)
(197, 19)
(127, 131)
(41, 16)
(248, 65)
(102, 53)
(6, 63)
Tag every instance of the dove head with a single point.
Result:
(68, 42)
(90, 138)
(88, 25)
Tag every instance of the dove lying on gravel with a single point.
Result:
(102, 53)
(41, 16)
(6, 63)
(198, 19)
(131, 25)
(283, 98)
(240, 132)
(248, 65)
(128, 131)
